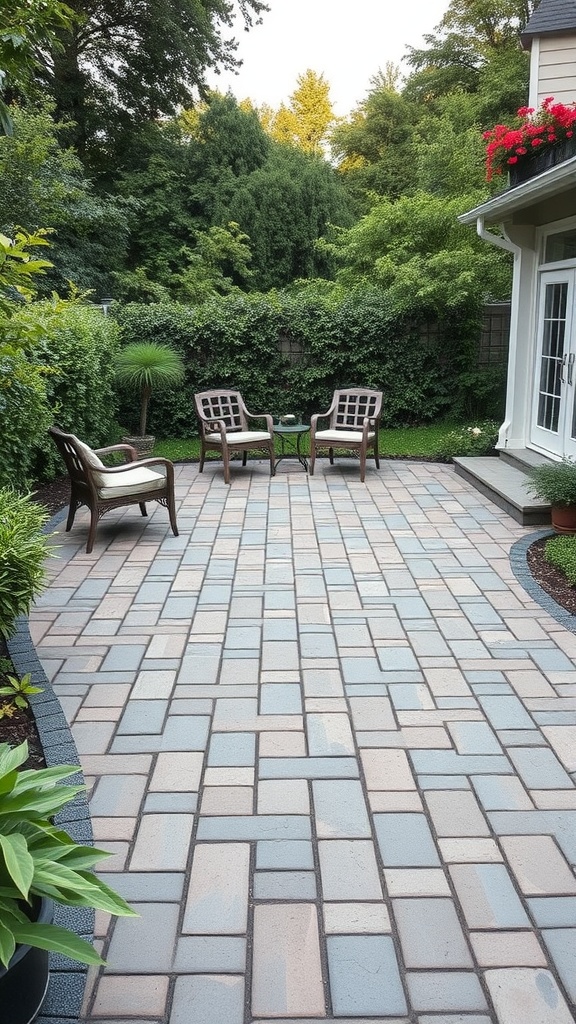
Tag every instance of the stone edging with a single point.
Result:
(519, 566)
(63, 1002)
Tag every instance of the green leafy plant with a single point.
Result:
(477, 439)
(554, 482)
(561, 552)
(19, 690)
(38, 859)
(23, 550)
(145, 366)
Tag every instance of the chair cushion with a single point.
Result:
(342, 437)
(131, 481)
(246, 437)
(91, 458)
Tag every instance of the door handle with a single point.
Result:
(571, 358)
(562, 377)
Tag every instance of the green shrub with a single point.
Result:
(476, 439)
(554, 482)
(73, 354)
(561, 552)
(24, 417)
(22, 554)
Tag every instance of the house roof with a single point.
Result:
(550, 183)
(551, 16)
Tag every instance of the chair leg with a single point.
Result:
(202, 457)
(143, 509)
(71, 514)
(376, 453)
(272, 458)
(244, 457)
(362, 464)
(92, 530)
(226, 461)
(331, 455)
(172, 514)
(312, 458)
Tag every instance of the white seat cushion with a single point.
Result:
(342, 437)
(241, 436)
(91, 458)
(130, 481)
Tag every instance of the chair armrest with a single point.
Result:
(319, 416)
(213, 426)
(127, 448)
(158, 460)
(262, 416)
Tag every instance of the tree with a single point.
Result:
(26, 28)
(44, 185)
(123, 62)
(416, 250)
(308, 119)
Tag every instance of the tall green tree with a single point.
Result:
(124, 61)
(309, 117)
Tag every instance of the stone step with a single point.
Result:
(506, 485)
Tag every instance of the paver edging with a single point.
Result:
(67, 978)
(519, 566)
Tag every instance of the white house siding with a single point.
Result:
(555, 60)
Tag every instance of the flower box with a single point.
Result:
(530, 166)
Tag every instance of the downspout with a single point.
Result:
(503, 243)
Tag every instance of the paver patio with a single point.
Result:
(331, 743)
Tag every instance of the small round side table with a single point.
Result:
(290, 438)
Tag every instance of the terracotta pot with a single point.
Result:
(564, 518)
(24, 983)
(142, 444)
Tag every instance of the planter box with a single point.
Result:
(530, 166)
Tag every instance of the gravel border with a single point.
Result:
(519, 566)
(63, 1002)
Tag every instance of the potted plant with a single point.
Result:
(39, 863)
(147, 366)
(537, 140)
(555, 483)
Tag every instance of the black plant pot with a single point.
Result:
(24, 983)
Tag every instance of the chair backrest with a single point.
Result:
(222, 405)
(73, 454)
(353, 406)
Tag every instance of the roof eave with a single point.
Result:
(555, 180)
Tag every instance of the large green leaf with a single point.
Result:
(18, 861)
(7, 944)
(11, 757)
(57, 940)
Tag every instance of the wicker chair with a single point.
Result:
(102, 487)
(223, 420)
(354, 419)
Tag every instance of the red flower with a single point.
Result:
(551, 124)
(512, 160)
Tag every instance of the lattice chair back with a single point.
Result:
(354, 406)
(223, 405)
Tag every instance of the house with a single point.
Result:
(536, 222)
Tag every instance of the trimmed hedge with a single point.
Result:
(344, 339)
(66, 375)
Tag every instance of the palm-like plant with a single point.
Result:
(146, 366)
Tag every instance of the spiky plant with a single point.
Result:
(147, 366)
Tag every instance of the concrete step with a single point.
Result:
(523, 458)
(506, 485)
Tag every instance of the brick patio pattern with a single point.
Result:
(330, 742)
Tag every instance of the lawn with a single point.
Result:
(412, 442)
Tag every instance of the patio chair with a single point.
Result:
(354, 419)
(223, 420)
(102, 487)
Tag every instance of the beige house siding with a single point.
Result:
(555, 58)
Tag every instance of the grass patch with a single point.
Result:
(430, 441)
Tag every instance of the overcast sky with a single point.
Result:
(347, 42)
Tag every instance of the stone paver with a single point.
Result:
(330, 741)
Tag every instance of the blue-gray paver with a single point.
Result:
(323, 623)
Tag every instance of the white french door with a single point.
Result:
(554, 409)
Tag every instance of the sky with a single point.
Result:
(347, 42)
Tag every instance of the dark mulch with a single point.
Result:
(17, 724)
(551, 579)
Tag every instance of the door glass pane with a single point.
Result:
(553, 335)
